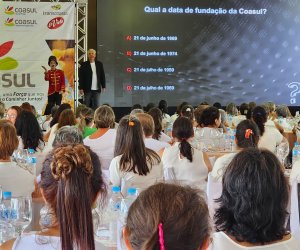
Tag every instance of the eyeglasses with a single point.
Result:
(9, 116)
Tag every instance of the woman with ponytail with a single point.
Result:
(247, 136)
(178, 222)
(134, 165)
(181, 161)
(270, 137)
(71, 182)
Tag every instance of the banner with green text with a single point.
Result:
(30, 33)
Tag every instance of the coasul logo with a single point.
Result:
(7, 63)
(55, 23)
(56, 7)
(9, 22)
(9, 10)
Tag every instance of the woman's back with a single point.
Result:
(221, 241)
(36, 242)
(189, 173)
(130, 179)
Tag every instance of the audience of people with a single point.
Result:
(84, 155)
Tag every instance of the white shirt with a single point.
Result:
(189, 173)
(16, 179)
(155, 145)
(220, 166)
(270, 139)
(103, 146)
(130, 179)
(237, 119)
(221, 241)
(94, 78)
(29, 241)
(164, 138)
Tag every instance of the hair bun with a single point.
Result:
(68, 158)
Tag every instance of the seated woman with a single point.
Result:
(270, 137)
(180, 222)
(85, 119)
(253, 205)
(157, 118)
(71, 181)
(29, 132)
(66, 118)
(12, 113)
(102, 142)
(12, 177)
(247, 136)
(182, 162)
(148, 129)
(209, 121)
(134, 165)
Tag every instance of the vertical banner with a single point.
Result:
(30, 32)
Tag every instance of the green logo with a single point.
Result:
(56, 7)
(9, 22)
(9, 10)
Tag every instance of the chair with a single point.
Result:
(214, 191)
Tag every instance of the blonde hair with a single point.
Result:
(104, 117)
(147, 123)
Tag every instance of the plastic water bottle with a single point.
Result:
(126, 203)
(31, 161)
(114, 211)
(5, 208)
(295, 152)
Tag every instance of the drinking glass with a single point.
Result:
(282, 151)
(21, 210)
(7, 231)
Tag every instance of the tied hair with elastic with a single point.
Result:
(248, 132)
(161, 237)
(67, 158)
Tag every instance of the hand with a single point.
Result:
(44, 69)
(103, 89)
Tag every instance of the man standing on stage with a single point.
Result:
(91, 80)
(56, 79)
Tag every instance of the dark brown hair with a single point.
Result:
(157, 118)
(182, 211)
(71, 179)
(183, 130)
(8, 139)
(130, 144)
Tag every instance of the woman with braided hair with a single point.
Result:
(71, 182)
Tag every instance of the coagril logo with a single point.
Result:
(55, 23)
(9, 22)
(7, 63)
(9, 10)
(56, 7)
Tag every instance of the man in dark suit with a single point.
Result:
(91, 80)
